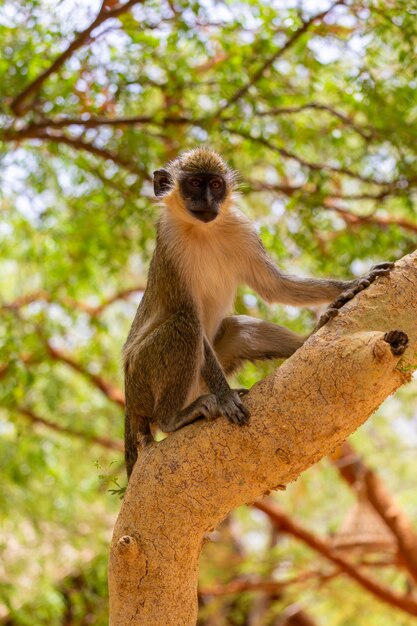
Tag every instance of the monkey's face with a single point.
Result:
(203, 194)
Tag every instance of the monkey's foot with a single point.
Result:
(209, 406)
(205, 406)
(381, 269)
(397, 340)
(233, 408)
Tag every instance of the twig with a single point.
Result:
(367, 135)
(267, 586)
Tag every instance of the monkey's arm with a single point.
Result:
(262, 275)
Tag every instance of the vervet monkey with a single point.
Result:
(183, 341)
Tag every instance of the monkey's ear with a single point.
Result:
(162, 181)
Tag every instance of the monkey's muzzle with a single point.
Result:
(205, 216)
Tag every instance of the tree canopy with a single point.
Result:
(314, 103)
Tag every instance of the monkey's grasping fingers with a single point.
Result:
(381, 269)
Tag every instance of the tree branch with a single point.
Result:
(365, 133)
(311, 165)
(387, 595)
(378, 220)
(70, 303)
(183, 486)
(267, 586)
(31, 132)
(110, 391)
(353, 469)
(94, 122)
(105, 442)
(256, 76)
(19, 104)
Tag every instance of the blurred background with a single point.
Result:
(315, 105)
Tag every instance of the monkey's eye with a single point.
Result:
(216, 183)
(195, 182)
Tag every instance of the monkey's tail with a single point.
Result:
(135, 439)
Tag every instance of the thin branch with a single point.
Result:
(314, 166)
(94, 122)
(19, 104)
(330, 203)
(78, 144)
(110, 391)
(286, 189)
(381, 220)
(70, 303)
(285, 524)
(266, 586)
(355, 471)
(277, 54)
(105, 442)
(367, 134)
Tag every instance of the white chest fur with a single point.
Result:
(213, 283)
(208, 259)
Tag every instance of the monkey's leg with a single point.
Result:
(229, 401)
(381, 269)
(242, 338)
(172, 356)
(221, 401)
(205, 406)
(137, 433)
(159, 374)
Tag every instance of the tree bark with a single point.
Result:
(184, 486)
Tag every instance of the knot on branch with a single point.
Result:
(397, 340)
(128, 546)
(392, 344)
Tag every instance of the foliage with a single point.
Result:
(316, 108)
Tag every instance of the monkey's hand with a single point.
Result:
(232, 407)
(354, 287)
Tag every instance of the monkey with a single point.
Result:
(183, 342)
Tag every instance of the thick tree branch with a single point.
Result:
(94, 122)
(184, 485)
